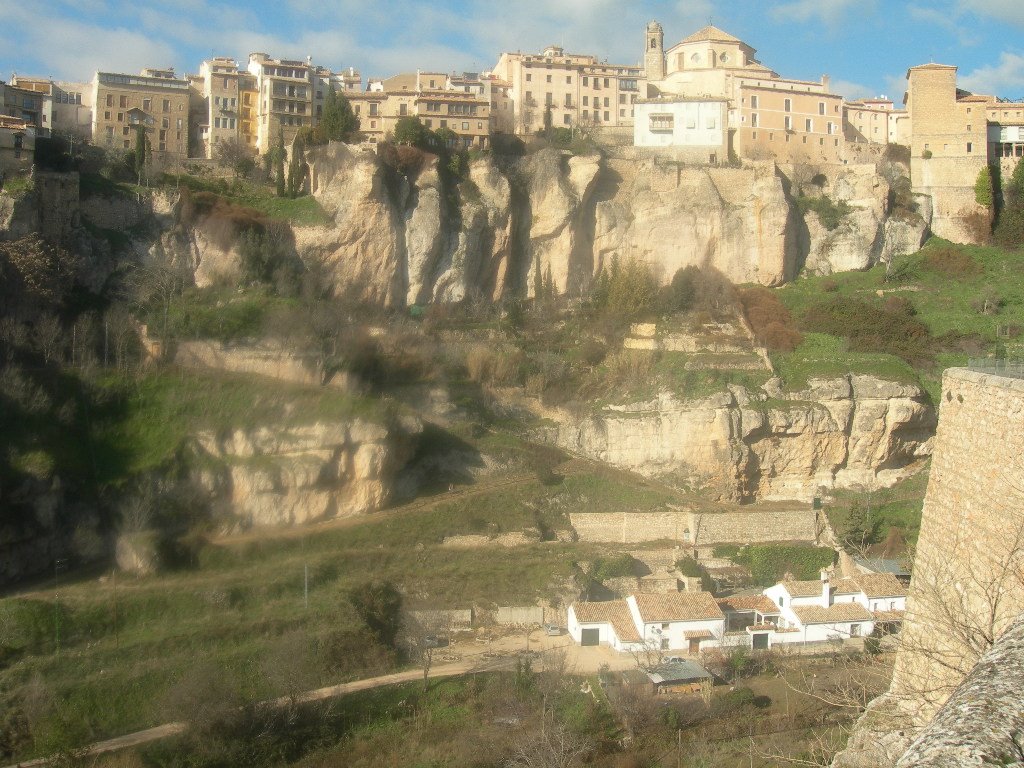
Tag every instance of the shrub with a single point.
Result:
(770, 320)
(983, 188)
(897, 153)
(625, 291)
(871, 326)
(830, 214)
(768, 563)
(951, 262)
(617, 567)
(693, 288)
(690, 567)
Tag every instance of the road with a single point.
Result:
(497, 654)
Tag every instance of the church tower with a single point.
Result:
(654, 58)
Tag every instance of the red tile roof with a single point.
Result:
(880, 585)
(759, 603)
(613, 612)
(803, 588)
(834, 614)
(680, 606)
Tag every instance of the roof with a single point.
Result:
(613, 612)
(13, 123)
(834, 614)
(759, 603)
(679, 672)
(679, 606)
(883, 565)
(711, 33)
(880, 585)
(846, 587)
(803, 588)
(699, 634)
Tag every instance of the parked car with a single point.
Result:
(674, 659)
(552, 630)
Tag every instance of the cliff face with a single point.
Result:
(434, 239)
(844, 432)
(289, 476)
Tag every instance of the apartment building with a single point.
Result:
(17, 145)
(155, 99)
(495, 91)
(433, 97)
(575, 89)
(25, 104)
(876, 121)
(284, 98)
(769, 116)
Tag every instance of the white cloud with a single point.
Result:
(949, 19)
(1011, 11)
(852, 91)
(1003, 79)
(829, 12)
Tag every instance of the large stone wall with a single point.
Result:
(968, 582)
(698, 528)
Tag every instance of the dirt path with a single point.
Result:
(498, 655)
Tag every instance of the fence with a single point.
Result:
(1013, 369)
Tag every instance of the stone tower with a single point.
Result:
(654, 58)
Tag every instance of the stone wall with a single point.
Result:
(519, 616)
(968, 582)
(698, 528)
(969, 570)
(264, 360)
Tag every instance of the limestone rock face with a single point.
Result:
(867, 234)
(293, 475)
(364, 246)
(734, 219)
(854, 431)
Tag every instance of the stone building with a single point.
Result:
(699, 125)
(769, 117)
(25, 104)
(156, 100)
(64, 106)
(284, 98)
(433, 98)
(875, 121)
(577, 89)
(17, 144)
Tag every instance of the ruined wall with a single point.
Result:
(698, 528)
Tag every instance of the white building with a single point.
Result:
(699, 124)
(790, 612)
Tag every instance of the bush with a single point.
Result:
(983, 188)
(617, 567)
(690, 567)
(770, 320)
(829, 213)
(769, 563)
(871, 326)
(697, 289)
(951, 262)
(626, 291)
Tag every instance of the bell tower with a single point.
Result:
(654, 58)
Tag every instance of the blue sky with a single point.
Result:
(865, 45)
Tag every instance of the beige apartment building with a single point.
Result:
(284, 98)
(431, 96)
(26, 103)
(876, 121)
(156, 100)
(576, 89)
(769, 116)
(495, 91)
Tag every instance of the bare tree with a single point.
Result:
(648, 655)
(554, 747)
(423, 633)
(48, 337)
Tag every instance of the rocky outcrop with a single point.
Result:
(671, 216)
(293, 475)
(869, 233)
(847, 432)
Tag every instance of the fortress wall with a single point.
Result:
(760, 526)
(968, 583)
(702, 529)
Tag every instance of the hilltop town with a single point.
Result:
(567, 413)
(707, 98)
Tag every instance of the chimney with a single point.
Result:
(826, 82)
(826, 595)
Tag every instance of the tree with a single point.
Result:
(235, 155)
(297, 168)
(423, 632)
(379, 605)
(411, 130)
(337, 122)
(278, 163)
(549, 120)
(1010, 226)
(983, 189)
(140, 157)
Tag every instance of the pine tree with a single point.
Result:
(279, 154)
(337, 121)
(139, 155)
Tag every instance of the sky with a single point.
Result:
(866, 46)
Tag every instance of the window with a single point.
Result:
(163, 135)
(711, 123)
(568, 80)
(179, 124)
(788, 105)
(147, 105)
(123, 102)
(753, 120)
(465, 126)
(567, 120)
(549, 99)
(606, 118)
(403, 109)
(809, 125)
(125, 131)
(691, 123)
(167, 105)
(789, 122)
(782, 602)
(529, 77)
(821, 107)
(106, 115)
(120, 117)
(586, 101)
(606, 82)
(606, 102)
(374, 109)
(753, 102)
(855, 630)
(586, 81)
(970, 147)
(166, 123)
(549, 78)
(622, 98)
(163, 147)
(444, 123)
(110, 100)
(568, 100)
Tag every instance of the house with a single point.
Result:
(755, 617)
(154, 98)
(685, 621)
(17, 145)
(697, 124)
